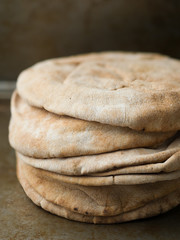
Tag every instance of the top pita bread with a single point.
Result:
(139, 91)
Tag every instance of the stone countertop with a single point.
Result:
(20, 219)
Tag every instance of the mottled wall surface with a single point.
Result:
(33, 30)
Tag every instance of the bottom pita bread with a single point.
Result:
(105, 204)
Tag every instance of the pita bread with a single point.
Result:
(86, 165)
(152, 208)
(170, 165)
(107, 179)
(37, 133)
(139, 91)
(100, 203)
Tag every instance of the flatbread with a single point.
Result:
(151, 209)
(98, 204)
(37, 133)
(139, 91)
(93, 164)
(170, 165)
(100, 179)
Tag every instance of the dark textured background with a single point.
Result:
(33, 30)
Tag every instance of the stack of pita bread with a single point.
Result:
(96, 136)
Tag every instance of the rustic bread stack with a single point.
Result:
(96, 136)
